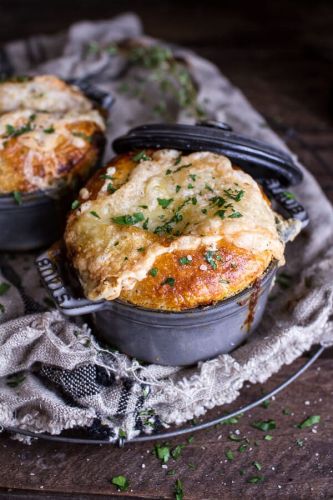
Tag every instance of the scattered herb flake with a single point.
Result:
(243, 447)
(266, 403)
(162, 452)
(141, 249)
(17, 197)
(299, 442)
(229, 455)
(204, 210)
(48, 130)
(309, 422)
(75, 204)
(234, 437)
(171, 472)
(257, 465)
(190, 439)
(120, 482)
(289, 195)
(264, 425)
(209, 257)
(164, 203)
(178, 188)
(176, 452)
(169, 281)
(235, 215)
(129, 220)
(256, 479)
(179, 492)
(220, 213)
(193, 177)
(153, 272)
(95, 214)
(268, 437)
(183, 261)
(209, 188)
(142, 156)
(190, 186)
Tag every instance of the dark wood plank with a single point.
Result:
(290, 471)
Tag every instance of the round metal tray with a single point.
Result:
(178, 432)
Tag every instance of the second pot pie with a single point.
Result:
(50, 133)
(168, 231)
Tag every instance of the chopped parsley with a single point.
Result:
(299, 442)
(75, 204)
(194, 200)
(110, 188)
(176, 452)
(4, 287)
(204, 210)
(142, 156)
(183, 261)
(220, 213)
(193, 177)
(17, 197)
(129, 220)
(145, 224)
(309, 422)
(256, 479)
(95, 214)
(209, 188)
(169, 281)
(162, 452)
(218, 201)
(164, 203)
(141, 249)
(229, 455)
(264, 425)
(49, 130)
(179, 159)
(266, 403)
(179, 492)
(257, 465)
(143, 206)
(178, 188)
(120, 482)
(153, 272)
(209, 257)
(190, 186)
(168, 171)
(268, 437)
(235, 194)
(235, 215)
(11, 131)
(243, 447)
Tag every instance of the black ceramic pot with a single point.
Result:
(184, 338)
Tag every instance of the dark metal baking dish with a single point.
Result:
(39, 219)
(183, 338)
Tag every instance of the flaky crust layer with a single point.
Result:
(223, 241)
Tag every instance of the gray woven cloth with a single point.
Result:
(53, 374)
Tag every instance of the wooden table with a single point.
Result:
(282, 59)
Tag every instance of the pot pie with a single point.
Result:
(169, 231)
(50, 133)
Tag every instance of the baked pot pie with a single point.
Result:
(172, 231)
(51, 134)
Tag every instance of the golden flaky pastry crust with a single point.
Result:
(168, 231)
(49, 134)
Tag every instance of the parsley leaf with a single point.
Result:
(256, 479)
(95, 214)
(179, 492)
(75, 204)
(129, 220)
(209, 257)
(183, 261)
(121, 482)
(176, 452)
(141, 156)
(229, 455)
(169, 281)
(164, 203)
(309, 422)
(162, 452)
(153, 272)
(264, 425)
(17, 197)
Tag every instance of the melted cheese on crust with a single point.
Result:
(164, 208)
(42, 93)
(49, 132)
